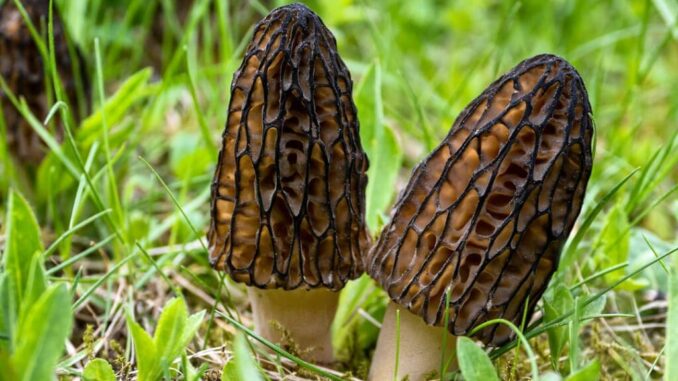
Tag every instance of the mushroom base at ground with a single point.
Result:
(421, 348)
(298, 318)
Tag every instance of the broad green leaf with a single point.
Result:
(43, 332)
(191, 327)
(474, 363)
(380, 144)
(23, 240)
(595, 307)
(557, 301)
(591, 372)
(24, 279)
(189, 156)
(242, 366)
(98, 370)
(148, 362)
(174, 331)
(36, 284)
(170, 328)
(672, 327)
(382, 177)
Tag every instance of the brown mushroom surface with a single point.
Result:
(22, 68)
(288, 193)
(486, 214)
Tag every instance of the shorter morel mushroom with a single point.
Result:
(484, 217)
(288, 192)
(23, 69)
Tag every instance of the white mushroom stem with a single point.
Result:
(420, 348)
(304, 315)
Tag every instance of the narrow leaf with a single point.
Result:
(381, 145)
(43, 333)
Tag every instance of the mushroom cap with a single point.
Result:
(21, 65)
(288, 195)
(486, 214)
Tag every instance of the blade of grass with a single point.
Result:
(170, 285)
(112, 184)
(74, 147)
(204, 129)
(101, 280)
(598, 274)
(190, 224)
(174, 200)
(79, 194)
(522, 338)
(572, 244)
(427, 132)
(81, 255)
(538, 327)
(55, 245)
(654, 363)
(303, 364)
(654, 252)
(24, 110)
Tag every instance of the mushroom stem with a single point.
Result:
(300, 318)
(420, 348)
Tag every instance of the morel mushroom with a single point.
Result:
(485, 216)
(22, 67)
(288, 192)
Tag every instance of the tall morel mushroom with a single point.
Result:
(288, 193)
(23, 69)
(485, 216)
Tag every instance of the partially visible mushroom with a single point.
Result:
(485, 216)
(22, 67)
(288, 192)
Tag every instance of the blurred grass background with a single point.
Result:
(165, 68)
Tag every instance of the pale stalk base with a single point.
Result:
(306, 315)
(420, 348)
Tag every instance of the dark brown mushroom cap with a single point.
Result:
(21, 66)
(487, 213)
(288, 195)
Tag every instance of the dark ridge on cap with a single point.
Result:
(486, 214)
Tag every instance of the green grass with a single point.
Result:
(110, 227)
